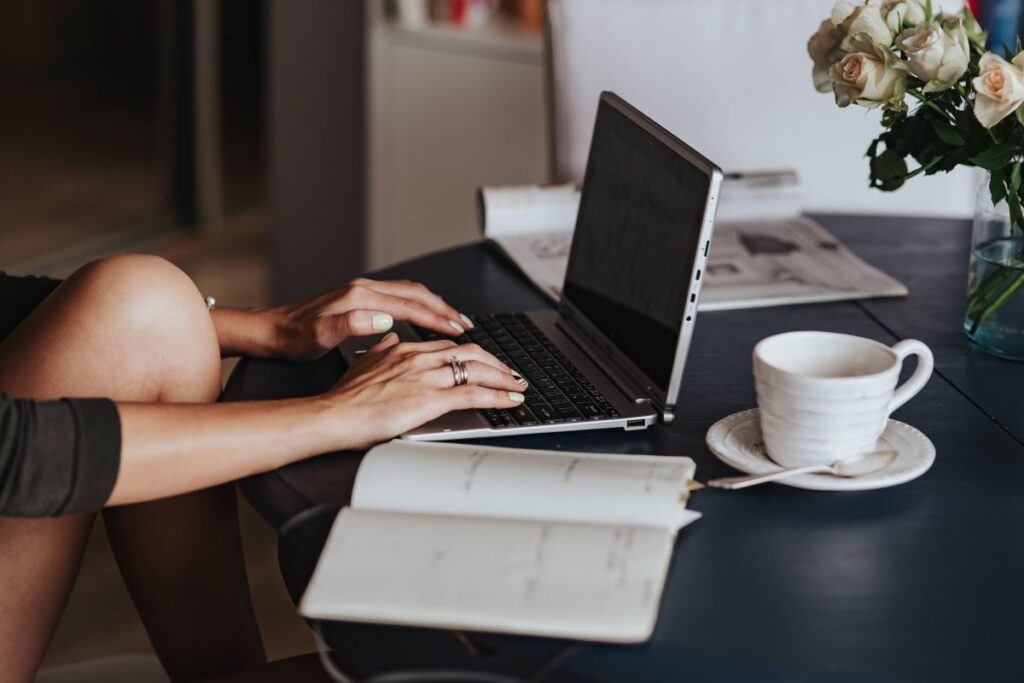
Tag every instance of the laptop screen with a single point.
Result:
(637, 234)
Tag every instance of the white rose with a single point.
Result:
(823, 47)
(967, 22)
(870, 76)
(936, 56)
(999, 87)
(900, 13)
(862, 18)
(842, 10)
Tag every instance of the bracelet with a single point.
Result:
(211, 303)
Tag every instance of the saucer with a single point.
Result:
(736, 441)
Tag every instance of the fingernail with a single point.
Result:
(465, 319)
(382, 321)
(522, 382)
(389, 336)
(515, 373)
(457, 327)
(518, 398)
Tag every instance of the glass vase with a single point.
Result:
(995, 288)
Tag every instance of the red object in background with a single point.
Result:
(975, 6)
(458, 11)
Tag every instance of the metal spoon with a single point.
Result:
(854, 466)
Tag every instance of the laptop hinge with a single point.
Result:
(613, 370)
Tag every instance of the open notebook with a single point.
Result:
(480, 538)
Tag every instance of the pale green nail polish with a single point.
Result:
(465, 319)
(522, 382)
(457, 327)
(518, 398)
(515, 373)
(382, 321)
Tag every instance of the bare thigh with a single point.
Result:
(129, 329)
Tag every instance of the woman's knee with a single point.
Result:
(130, 327)
(157, 312)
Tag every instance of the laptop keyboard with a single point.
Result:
(558, 391)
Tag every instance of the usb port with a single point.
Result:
(635, 424)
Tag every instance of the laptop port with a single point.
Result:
(635, 424)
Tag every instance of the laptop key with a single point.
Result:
(590, 410)
(523, 416)
(547, 414)
(499, 418)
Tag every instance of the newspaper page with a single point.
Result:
(772, 260)
(794, 261)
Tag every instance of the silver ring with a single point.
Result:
(459, 371)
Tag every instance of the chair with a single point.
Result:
(733, 79)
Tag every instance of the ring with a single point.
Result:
(459, 371)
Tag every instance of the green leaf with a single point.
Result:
(943, 128)
(872, 148)
(1015, 177)
(928, 10)
(887, 170)
(949, 135)
(997, 186)
(1015, 210)
(996, 157)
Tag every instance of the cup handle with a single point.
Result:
(925, 364)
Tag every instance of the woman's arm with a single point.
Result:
(167, 449)
(313, 327)
(171, 449)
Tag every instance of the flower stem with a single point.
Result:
(925, 102)
(997, 303)
(921, 169)
(985, 287)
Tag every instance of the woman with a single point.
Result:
(157, 454)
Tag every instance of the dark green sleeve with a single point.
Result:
(56, 457)
(18, 296)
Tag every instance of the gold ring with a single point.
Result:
(459, 371)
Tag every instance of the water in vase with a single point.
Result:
(995, 297)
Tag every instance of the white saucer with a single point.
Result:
(736, 441)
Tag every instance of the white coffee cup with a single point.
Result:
(825, 396)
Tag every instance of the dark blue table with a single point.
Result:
(923, 581)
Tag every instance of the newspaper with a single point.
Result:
(764, 253)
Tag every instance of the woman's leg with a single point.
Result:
(131, 328)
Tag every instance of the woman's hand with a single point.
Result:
(396, 387)
(311, 328)
(172, 448)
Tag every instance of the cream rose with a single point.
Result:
(852, 19)
(938, 57)
(871, 76)
(900, 13)
(965, 20)
(999, 87)
(823, 47)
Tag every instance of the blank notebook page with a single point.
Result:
(592, 582)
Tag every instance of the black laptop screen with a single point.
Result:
(636, 238)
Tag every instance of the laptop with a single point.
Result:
(612, 355)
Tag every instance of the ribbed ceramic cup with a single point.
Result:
(825, 396)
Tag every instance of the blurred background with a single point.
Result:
(271, 148)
